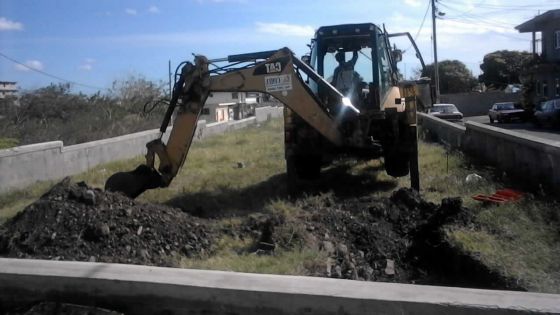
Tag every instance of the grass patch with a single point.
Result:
(242, 172)
(233, 256)
(6, 143)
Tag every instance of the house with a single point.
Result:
(223, 106)
(8, 88)
(544, 73)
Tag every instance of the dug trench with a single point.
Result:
(396, 239)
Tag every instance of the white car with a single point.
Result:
(446, 112)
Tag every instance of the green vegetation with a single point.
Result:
(241, 173)
(56, 113)
(8, 143)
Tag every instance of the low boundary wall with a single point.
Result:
(135, 289)
(537, 160)
(24, 165)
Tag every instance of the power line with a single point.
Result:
(421, 24)
(52, 75)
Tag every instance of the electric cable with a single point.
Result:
(421, 25)
(52, 75)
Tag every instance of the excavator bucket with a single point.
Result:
(135, 182)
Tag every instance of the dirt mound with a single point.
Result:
(370, 238)
(364, 238)
(76, 222)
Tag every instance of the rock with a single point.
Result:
(241, 165)
(338, 272)
(390, 267)
(342, 250)
(139, 231)
(328, 247)
(103, 229)
(89, 197)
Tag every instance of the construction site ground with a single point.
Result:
(229, 210)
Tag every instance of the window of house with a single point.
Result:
(557, 39)
(557, 86)
(538, 88)
(234, 95)
(545, 88)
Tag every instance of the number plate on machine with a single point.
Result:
(277, 83)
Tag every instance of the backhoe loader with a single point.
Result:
(332, 107)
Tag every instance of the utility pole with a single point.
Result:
(169, 72)
(436, 70)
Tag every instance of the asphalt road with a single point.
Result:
(527, 128)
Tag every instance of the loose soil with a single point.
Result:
(368, 238)
(76, 222)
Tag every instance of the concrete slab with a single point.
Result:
(152, 290)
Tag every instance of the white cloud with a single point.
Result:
(8, 25)
(130, 11)
(85, 67)
(285, 29)
(413, 3)
(87, 64)
(153, 9)
(35, 64)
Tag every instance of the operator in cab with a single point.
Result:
(344, 76)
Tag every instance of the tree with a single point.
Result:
(135, 91)
(454, 77)
(503, 67)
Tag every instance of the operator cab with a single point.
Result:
(356, 46)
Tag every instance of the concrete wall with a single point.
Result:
(134, 289)
(448, 133)
(25, 165)
(534, 159)
(476, 104)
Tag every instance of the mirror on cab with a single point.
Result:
(397, 55)
(306, 59)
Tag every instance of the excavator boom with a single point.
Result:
(279, 74)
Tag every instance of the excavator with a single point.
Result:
(332, 107)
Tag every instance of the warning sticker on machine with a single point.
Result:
(277, 83)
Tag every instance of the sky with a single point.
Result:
(92, 43)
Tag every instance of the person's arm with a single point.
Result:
(354, 58)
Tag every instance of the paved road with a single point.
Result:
(527, 128)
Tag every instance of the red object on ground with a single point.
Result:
(500, 196)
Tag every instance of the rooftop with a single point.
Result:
(538, 23)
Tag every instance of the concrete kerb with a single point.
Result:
(148, 290)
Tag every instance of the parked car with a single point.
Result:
(506, 111)
(548, 113)
(446, 112)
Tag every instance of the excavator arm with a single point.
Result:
(278, 74)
